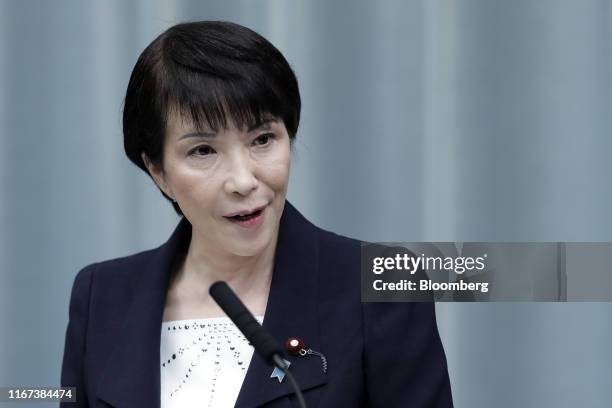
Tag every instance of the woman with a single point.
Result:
(211, 111)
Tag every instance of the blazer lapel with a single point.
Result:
(132, 375)
(291, 312)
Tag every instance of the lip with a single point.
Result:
(251, 223)
(242, 212)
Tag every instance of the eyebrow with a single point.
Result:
(264, 124)
(209, 135)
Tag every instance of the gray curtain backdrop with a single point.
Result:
(432, 120)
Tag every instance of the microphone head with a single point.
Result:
(265, 345)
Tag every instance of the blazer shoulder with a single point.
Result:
(127, 262)
(330, 246)
(117, 270)
(329, 240)
(339, 259)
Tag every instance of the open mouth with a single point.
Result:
(248, 218)
(245, 217)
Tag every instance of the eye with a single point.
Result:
(263, 139)
(203, 150)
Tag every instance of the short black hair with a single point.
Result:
(208, 71)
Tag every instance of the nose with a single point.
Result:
(241, 178)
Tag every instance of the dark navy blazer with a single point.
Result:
(379, 354)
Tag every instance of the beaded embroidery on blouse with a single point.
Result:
(203, 362)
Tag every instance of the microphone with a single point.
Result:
(265, 345)
(233, 307)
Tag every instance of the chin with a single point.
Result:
(250, 248)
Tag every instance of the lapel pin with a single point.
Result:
(296, 346)
(278, 373)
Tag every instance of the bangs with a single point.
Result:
(237, 89)
(215, 104)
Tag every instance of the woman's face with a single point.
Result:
(215, 176)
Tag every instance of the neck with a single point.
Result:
(248, 276)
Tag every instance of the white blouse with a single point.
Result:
(203, 362)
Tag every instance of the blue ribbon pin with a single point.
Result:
(278, 373)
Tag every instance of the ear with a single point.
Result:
(158, 175)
